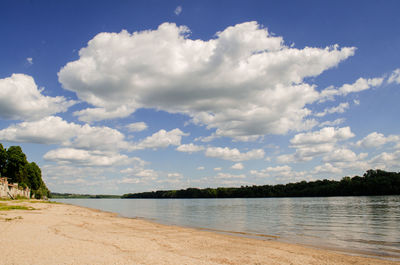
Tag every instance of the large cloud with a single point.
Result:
(55, 130)
(20, 99)
(244, 82)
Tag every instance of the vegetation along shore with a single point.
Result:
(373, 182)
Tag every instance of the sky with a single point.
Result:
(114, 97)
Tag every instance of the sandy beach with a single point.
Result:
(65, 234)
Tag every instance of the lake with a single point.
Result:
(367, 225)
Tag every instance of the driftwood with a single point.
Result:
(10, 195)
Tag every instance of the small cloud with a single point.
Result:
(178, 10)
(74, 181)
(201, 168)
(189, 148)
(238, 166)
(234, 154)
(341, 108)
(394, 77)
(29, 60)
(217, 169)
(332, 123)
(137, 126)
(175, 175)
(229, 176)
(356, 102)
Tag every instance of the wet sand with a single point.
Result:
(67, 234)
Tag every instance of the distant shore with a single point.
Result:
(66, 234)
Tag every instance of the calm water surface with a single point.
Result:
(362, 225)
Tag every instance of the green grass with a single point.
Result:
(5, 207)
(22, 199)
(18, 199)
(52, 202)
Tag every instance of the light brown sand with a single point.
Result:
(65, 234)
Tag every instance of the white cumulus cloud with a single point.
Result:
(326, 168)
(190, 148)
(55, 130)
(222, 175)
(394, 77)
(178, 10)
(325, 135)
(234, 154)
(360, 85)
(387, 161)
(85, 157)
(244, 83)
(137, 126)
(21, 99)
(312, 144)
(175, 175)
(341, 108)
(343, 155)
(161, 139)
(332, 123)
(282, 173)
(375, 139)
(95, 114)
(238, 166)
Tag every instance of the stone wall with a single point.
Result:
(3, 188)
(12, 190)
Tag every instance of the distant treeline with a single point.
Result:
(15, 166)
(373, 182)
(55, 195)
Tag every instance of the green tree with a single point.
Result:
(16, 165)
(3, 160)
(34, 176)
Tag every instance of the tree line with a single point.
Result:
(57, 195)
(15, 166)
(373, 182)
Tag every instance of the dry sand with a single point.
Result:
(66, 234)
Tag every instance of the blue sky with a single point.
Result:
(128, 96)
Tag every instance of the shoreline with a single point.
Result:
(369, 253)
(70, 234)
(270, 238)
